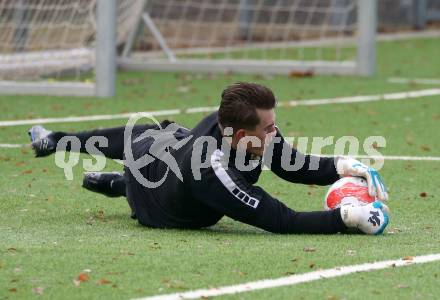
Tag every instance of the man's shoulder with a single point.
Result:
(207, 126)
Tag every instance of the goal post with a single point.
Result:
(367, 29)
(257, 36)
(59, 47)
(106, 48)
(65, 48)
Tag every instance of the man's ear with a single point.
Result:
(239, 134)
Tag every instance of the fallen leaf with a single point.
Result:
(100, 215)
(375, 145)
(408, 258)
(13, 290)
(38, 290)
(56, 107)
(423, 194)
(309, 249)
(131, 81)
(87, 106)
(371, 112)
(114, 273)
(12, 249)
(301, 74)
(240, 272)
(176, 284)
(27, 172)
(183, 89)
(155, 246)
(103, 281)
(409, 140)
(82, 277)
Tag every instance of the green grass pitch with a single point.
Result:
(51, 230)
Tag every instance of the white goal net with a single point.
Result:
(45, 43)
(267, 36)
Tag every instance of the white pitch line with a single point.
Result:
(385, 157)
(296, 279)
(390, 157)
(171, 112)
(13, 145)
(367, 98)
(428, 81)
(394, 157)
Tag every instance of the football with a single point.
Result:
(347, 190)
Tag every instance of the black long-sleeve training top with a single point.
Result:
(212, 186)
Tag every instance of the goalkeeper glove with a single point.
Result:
(370, 219)
(346, 166)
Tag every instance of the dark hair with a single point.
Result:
(238, 107)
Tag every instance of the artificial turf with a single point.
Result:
(52, 230)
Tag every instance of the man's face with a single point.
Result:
(265, 129)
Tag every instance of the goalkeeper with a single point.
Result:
(180, 178)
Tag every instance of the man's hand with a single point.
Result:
(346, 166)
(370, 219)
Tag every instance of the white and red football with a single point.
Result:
(347, 190)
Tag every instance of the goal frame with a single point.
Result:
(105, 64)
(365, 64)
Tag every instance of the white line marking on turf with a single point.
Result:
(170, 112)
(385, 157)
(394, 157)
(296, 279)
(390, 157)
(368, 98)
(414, 81)
(14, 145)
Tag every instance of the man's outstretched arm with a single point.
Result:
(227, 192)
(291, 165)
(294, 166)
